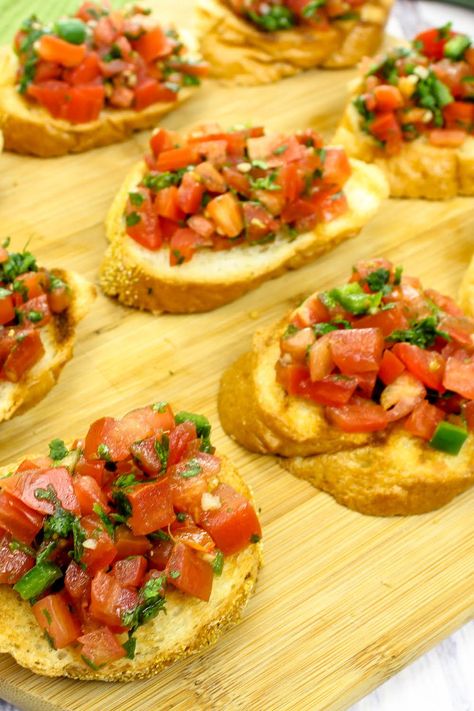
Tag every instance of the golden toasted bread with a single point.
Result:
(144, 279)
(419, 170)
(29, 128)
(189, 625)
(237, 50)
(382, 473)
(58, 339)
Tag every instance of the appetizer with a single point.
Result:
(367, 390)
(99, 540)
(255, 42)
(466, 292)
(207, 217)
(39, 312)
(91, 79)
(412, 114)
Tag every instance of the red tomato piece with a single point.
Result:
(427, 366)
(359, 416)
(459, 114)
(103, 551)
(150, 91)
(35, 312)
(109, 600)
(331, 390)
(59, 299)
(26, 484)
(101, 647)
(7, 310)
(160, 554)
(145, 454)
(226, 213)
(162, 140)
(107, 433)
(33, 284)
(153, 44)
(166, 203)
(447, 137)
(336, 167)
(192, 536)
(237, 180)
(190, 194)
(130, 571)
(312, 310)
(423, 420)
(152, 507)
(142, 223)
(50, 94)
(55, 49)
(357, 350)
(320, 361)
(366, 383)
(468, 412)
(387, 97)
(211, 178)
(183, 245)
(432, 42)
(94, 469)
(390, 367)
(88, 493)
(202, 226)
(291, 377)
(459, 376)
(13, 563)
(77, 582)
(180, 437)
(128, 544)
(176, 158)
(85, 72)
(386, 128)
(387, 320)
(190, 573)
(26, 352)
(18, 519)
(298, 344)
(83, 103)
(53, 615)
(235, 524)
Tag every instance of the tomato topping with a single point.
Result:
(27, 350)
(110, 600)
(152, 507)
(358, 416)
(357, 350)
(423, 420)
(14, 563)
(190, 573)
(89, 494)
(99, 548)
(235, 524)
(101, 646)
(427, 366)
(77, 582)
(459, 375)
(390, 367)
(53, 615)
(19, 519)
(41, 489)
(131, 571)
(54, 49)
(128, 544)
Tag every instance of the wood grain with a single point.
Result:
(344, 601)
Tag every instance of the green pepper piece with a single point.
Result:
(456, 46)
(353, 298)
(448, 438)
(38, 579)
(71, 30)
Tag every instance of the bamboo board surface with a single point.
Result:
(343, 601)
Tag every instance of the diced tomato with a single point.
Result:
(167, 204)
(423, 420)
(447, 137)
(190, 573)
(152, 507)
(366, 383)
(101, 647)
(77, 582)
(336, 167)
(183, 245)
(235, 524)
(291, 181)
(27, 351)
(145, 454)
(18, 519)
(51, 94)
(53, 615)
(468, 412)
(331, 390)
(320, 360)
(160, 554)
(47, 70)
(388, 320)
(89, 493)
(142, 224)
(357, 350)
(162, 140)
(110, 600)
(83, 103)
(387, 97)
(147, 421)
(386, 128)
(312, 310)
(35, 312)
(190, 194)
(201, 225)
(445, 303)
(400, 397)
(459, 375)
(236, 180)
(128, 544)
(358, 416)
(85, 72)
(153, 44)
(213, 151)
(176, 158)
(13, 563)
(103, 551)
(150, 91)
(226, 213)
(432, 42)
(291, 377)
(130, 571)
(459, 115)
(7, 310)
(211, 178)
(258, 222)
(59, 299)
(390, 367)
(180, 437)
(57, 481)
(327, 206)
(298, 344)
(94, 469)
(427, 366)
(106, 433)
(193, 536)
(33, 284)
(55, 49)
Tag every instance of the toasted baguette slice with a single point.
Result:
(383, 474)
(144, 279)
(420, 170)
(188, 627)
(28, 128)
(237, 50)
(58, 339)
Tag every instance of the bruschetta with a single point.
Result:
(39, 312)
(207, 217)
(100, 539)
(91, 79)
(366, 390)
(412, 114)
(254, 42)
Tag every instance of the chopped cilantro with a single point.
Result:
(378, 280)
(255, 538)
(108, 525)
(158, 181)
(193, 468)
(181, 517)
(16, 264)
(130, 646)
(132, 219)
(290, 331)
(136, 199)
(277, 17)
(162, 449)
(422, 333)
(281, 149)
(160, 406)
(203, 428)
(57, 449)
(310, 9)
(218, 563)
(190, 80)
(265, 183)
(103, 452)
(126, 480)
(174, 574)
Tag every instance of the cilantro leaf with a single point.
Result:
(57, 449)
(422, 333)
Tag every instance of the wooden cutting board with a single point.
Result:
(344, 600)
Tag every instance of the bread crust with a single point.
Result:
(188, 627)
(144, 279)
(58, 339)
(382, 473)
(419, 170)
(28, 128)
(238, 51)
